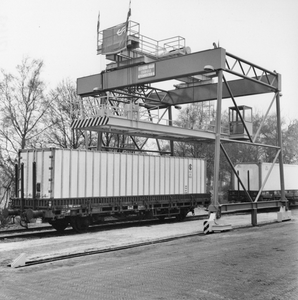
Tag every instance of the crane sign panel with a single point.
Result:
(146, 71)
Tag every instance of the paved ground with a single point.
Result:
(246, 263)
(60, 245)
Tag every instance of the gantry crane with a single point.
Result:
(126, 98)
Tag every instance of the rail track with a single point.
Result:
(110, 226)
(48, 231)
(101, 251)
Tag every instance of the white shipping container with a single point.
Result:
(64, 173)
(257, 174)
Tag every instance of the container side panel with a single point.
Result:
(162, 176)
(22, 159)
(176, 176)
(291, 176)
(167, 175)
(169, 172)
(39, 172)
(194, 175)
(32, 158)
(123, 175)
(110, 174)
(82, 174)
(103, 174)
(128, 175)
(117, 177)
(74, 174)
(199, 188)
(156, 175)
(96, 175)
(141, 175)
(57, 174)
(273, 182)
(203, 178)
(135, 174)
(146, 175)
(181, 176)
(28, 172)
(190, 175)
(42, 173)
(65, 182)
(199, 178)
(27, 159)
(89, 173)
(247, 172)
(100, 174)
(151, 172)
(44, 183)
(171, 175)
(185, 174)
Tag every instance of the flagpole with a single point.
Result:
(128, 15)
(97, 32)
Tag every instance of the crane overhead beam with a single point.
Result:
(253, 79)
(161, 70)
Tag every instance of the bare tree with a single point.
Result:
(290, 144)
(23, 106)
(60, 114)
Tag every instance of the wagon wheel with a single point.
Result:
(80, 224)
(59, 225)
(181, 217)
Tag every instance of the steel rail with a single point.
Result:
(105, 250)
(108, 225)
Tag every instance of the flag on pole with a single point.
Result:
(115, 38)
(97, 31)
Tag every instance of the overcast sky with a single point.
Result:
(63, 34)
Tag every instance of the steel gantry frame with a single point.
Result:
(202, 77)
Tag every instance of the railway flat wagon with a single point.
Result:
(255, 176)
(81, 187)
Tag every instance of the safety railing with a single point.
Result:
(148, 46)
